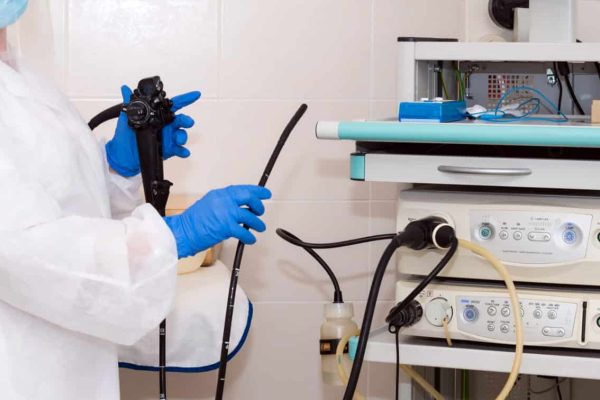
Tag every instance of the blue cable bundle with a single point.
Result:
(501, 116)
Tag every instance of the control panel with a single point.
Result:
(544, 320)
(540, 238)
(530, 237)
(550, 318)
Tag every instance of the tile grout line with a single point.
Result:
(220, 18)
(370, 204)
(65, 40)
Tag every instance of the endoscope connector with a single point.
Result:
(428, 232)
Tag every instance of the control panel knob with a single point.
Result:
(470, 314)
(569, 236)
(486, 232)
(438, 309)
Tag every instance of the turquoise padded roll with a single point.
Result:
(570, 134)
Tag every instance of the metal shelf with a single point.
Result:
(482, 357)
(473, 51)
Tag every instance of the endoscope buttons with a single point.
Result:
(537, 313)
(505, 311)
(491, 327)
(538, 236)
(517, 235)
(554, 332)
(503, 235)
(552, 314)
(470, 314)
(486, 232)
(492, 311)
(569, 236)
(504, 328)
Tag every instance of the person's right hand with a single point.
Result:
(219, 216)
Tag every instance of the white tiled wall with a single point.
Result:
(255, 61)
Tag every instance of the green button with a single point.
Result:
(598, 322)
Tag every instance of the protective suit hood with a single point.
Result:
(11, 10)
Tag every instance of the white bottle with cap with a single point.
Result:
(338, 323)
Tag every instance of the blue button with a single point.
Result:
(485, 232)
(569, 236)
(470, 314)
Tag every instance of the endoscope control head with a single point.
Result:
(149, 105)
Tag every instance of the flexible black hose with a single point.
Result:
(402, 238)
(558, 392)
(333, 245)
(368, 315)
(573, 96)
(308, 247)
(565, 70)
(240, 251)
(395, 311)
(337, 291)
(106, 115)
(397, 366)
(560, 88)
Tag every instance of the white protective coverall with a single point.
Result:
(83, 266)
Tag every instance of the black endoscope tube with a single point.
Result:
(235, 273)
(106, 115)
(389, 251)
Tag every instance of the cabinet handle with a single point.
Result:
(484, 170)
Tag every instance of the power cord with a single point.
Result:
(560, 87)
(558, 392)
(565, 71)
(397, 365)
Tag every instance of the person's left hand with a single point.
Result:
(121, 150)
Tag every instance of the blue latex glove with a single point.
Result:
(121, 150)
(219, 216)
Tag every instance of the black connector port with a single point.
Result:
(428, 232)
(405, 317)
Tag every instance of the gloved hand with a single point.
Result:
(121, 150)
(218, 216)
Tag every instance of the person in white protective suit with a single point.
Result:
(83, 266)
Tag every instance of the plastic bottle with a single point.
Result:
(338, 322)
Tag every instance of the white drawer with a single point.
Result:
(483, 171)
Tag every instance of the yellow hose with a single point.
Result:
(339, 356)
(447, 331)
(411, 372)
(514, 301)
